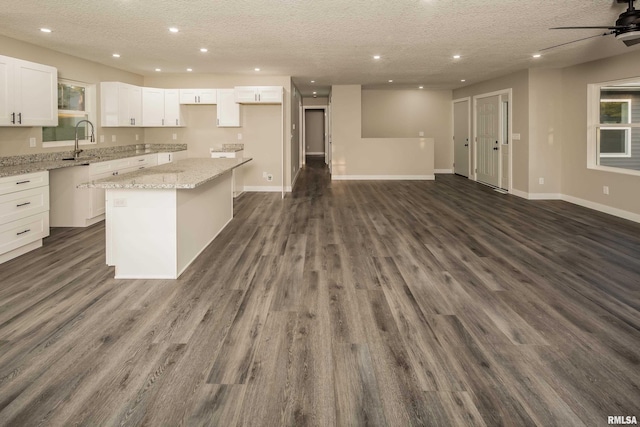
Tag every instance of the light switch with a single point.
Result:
(32, 142)
(101, 138)
(421, 133)
(113, 138)
(239, 136)
(174, 136)
(515, 136)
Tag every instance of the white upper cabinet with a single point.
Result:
(161, 108)
(172, 109)
(258, 94)
(228, 110)
(152, 106)
(198, 96)
(28, 93)
(121, 104)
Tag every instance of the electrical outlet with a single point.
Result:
(113, 138)
(137, 137)
(269, 177)
(32, 142)
(119, 203)
(540, 181)
(239, 137)
(605, 189)
(294, 126)
(264, 174)
(421, 133)
(101, 138)
(174, 136)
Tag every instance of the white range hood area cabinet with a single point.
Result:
(28, 93)
(258, 94)
(126, 105)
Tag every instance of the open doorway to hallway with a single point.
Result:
(315, 134)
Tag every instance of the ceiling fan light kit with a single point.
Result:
(626, 28)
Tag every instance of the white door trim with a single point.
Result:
(468, 99)
(326, 130)
(509, 93)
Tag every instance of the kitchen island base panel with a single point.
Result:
(157, 233)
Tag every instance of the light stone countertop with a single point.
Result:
(183, 174)
(101, 156)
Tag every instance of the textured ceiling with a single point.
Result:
(329, 41)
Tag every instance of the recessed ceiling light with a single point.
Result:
(315, 93)
(158, 69)
(537, 55)
(116, 55)
(390, 81)
(45, 30)
(313, 81)
(204, 49)
(376, 56)
(456, 56)
(189, 69)
(256, 69)
(463, 80)
(173, 29)
(420, 87)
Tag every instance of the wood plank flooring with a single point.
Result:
(348, 303)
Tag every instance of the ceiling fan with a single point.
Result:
(627, 27)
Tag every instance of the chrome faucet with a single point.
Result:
(77, 150)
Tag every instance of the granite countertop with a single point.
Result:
(183, 174)
(225, 150)
(46, 162)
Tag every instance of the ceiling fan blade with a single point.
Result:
(611, 27)
(575, 41)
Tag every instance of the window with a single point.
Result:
(614, 127)
(76, 102)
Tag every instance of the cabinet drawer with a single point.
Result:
(14, 206)
(110, 166)
(11, 184)
(23, 231)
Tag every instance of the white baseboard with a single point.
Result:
(580, 202)
(443, 171)
(383, 177)
(602, 208)
(263, 189)
(519, 193)
(545, 196)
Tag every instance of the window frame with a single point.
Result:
(90, 111)
(594, 125)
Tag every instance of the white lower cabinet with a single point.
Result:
(24, 213)
(82, 207)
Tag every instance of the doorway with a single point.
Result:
(315, 133)
(492, 137)
(461, 131)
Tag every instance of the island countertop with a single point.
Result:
(183, 174)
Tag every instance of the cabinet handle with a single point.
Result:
(195, 98)
(131, 122)
(176, 122)
(218, 122)
(169, 158)
(259, 97)
(23, 182)
(162, 122)
(13, 118)
(23, 204)
(141, 160)
(19, 118)
(22, 232)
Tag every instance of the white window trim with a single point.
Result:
(593, 123)
(627, 142)
(90, 93)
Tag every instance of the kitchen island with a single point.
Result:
(158, 220)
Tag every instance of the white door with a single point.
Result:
(461, 138)
(488, 134)
(329, 155)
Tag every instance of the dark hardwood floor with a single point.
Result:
(437, 303)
